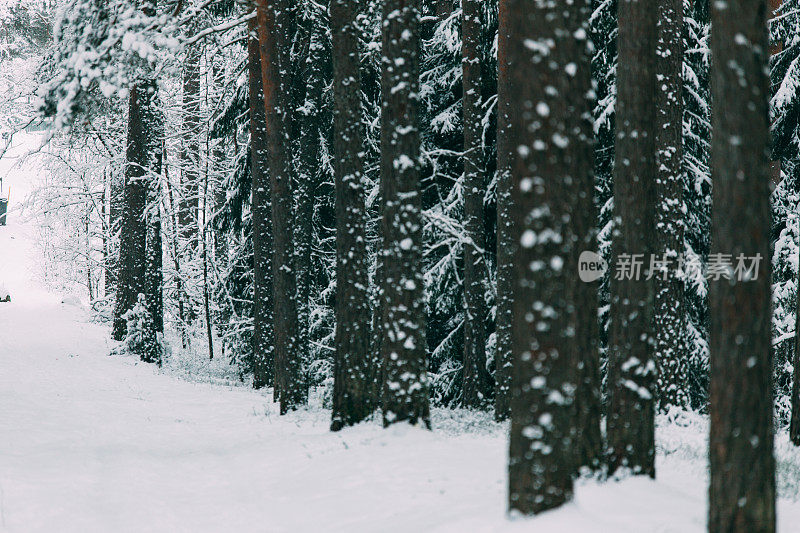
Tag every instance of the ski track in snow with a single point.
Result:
(90, 442)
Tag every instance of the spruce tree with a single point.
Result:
(143, 165)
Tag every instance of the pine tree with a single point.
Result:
(474, 192)
(631, 368)
(785, 114)
(263, 337)
(669, 291)
(353, 372)
(505, 242)
(275, 25)
(143, 165)
(403, 347)
(742, 465)
(696, 195)
(553, 162)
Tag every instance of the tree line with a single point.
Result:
(401, 200)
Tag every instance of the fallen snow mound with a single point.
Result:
(5, 294)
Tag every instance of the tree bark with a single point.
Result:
(631, 367)
(505, 242)
(670, 326)
(742, 465)
(308, 171)
(405, 391)
(263, 339)
(584, 295)
(669, 291)
(353, 399)
(475, 270)
(554, 154)
(143, 158)
(274, 19)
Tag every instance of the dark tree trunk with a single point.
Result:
(274, 19)
(631, 367)
(353, 389)
(670, 326)
(554, 154)
(308, 171)
(505, 242)
(742, 491)
(475, 382)
(586, 351)
(263, 339)
(405, 390)
(143, 158)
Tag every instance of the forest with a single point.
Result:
(573, 226)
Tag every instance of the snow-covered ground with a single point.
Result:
(91, 442)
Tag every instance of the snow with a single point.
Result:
(93, 442)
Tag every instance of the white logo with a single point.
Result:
(591, 266)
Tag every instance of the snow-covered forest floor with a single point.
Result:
(93, 442)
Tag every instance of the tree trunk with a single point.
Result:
(586, 341)
(308, 171)
(143, 157)
(554, 154)
(474, 191)
(263, 339)
(670, 326)
(405, 391)
(742, 465)
(631, 368)
(505, 242)
(353, 399)
(274, 19)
